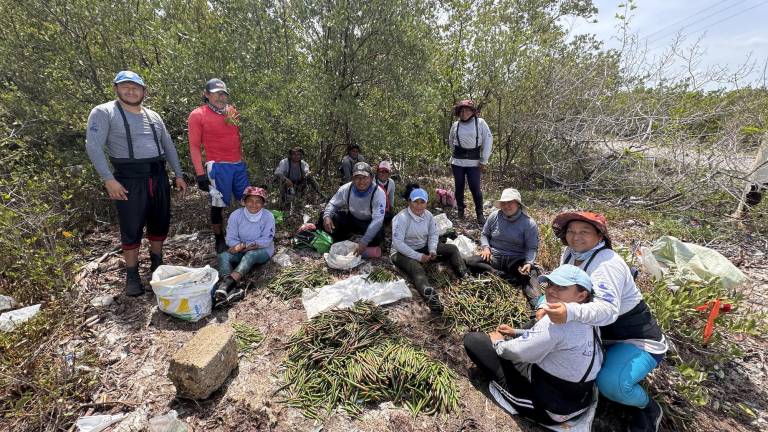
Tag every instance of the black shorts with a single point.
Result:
(348, 225)
(149, 203)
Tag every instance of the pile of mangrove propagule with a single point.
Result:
(291, 280)
(482, 304)
(354, 357)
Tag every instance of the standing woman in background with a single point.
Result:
(471, 142)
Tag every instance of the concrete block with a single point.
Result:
(202, 365)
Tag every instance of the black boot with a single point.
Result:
(647, 419)
(460, 213)
(157, 261)
(223, 288)
(433, 301)
(221, 244)
(480, 217)
(133, 286)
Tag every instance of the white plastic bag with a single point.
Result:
(282, 259)
(443, 223)
(465, 245)
(167, 423)
(6, 303)
(344, 293)
(342, 256)
(97, 423)
(184, 292)
(9, 320)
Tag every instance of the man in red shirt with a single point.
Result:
(214, 126)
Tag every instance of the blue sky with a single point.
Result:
(732, 29)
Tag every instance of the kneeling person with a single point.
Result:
(414, 243)
(250, 241)
(357, 208)
(548, 373)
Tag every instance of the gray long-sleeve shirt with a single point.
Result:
(292, 171)
(519, 239)
(347, 164)
(410, 234)
(106, 128)
(360, 206)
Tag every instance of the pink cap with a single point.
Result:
(385, 165)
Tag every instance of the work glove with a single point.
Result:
(203, 183)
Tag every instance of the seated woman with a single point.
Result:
(635, 344)
(546, 374)
(509, 241)
(414, 243)
(250, 239)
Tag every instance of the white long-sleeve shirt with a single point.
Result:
(467, 136)
(564, 351)
(615, 294)
(410, 233)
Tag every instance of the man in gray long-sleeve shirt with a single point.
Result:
(365, 203)
(509, 240)
(138, 145)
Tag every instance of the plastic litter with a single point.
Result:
(167, 423)
(690, 262)
(466, 246)
(282, 259)
(103, 301)
(344, 293)
(7, 303)
(443, 223)
(342, 256)
(97, 423)
(10, 320)
(184, 292)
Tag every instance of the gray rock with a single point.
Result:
(7, 303)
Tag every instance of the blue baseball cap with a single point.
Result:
(128, 76)
(566, 275)
(419, 194)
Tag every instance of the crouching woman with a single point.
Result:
(546, 374)
(250, 241)
(415, 244)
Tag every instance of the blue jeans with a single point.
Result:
(624, 366)
(472, 175)
(244, 261)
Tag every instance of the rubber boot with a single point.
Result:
(133, 286)
(480, 217)
(221, 244)
(156, 261)
(433, 300)
(460, 213)
(223, 288)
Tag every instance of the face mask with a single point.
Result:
(584, 256)
(253, 217)
(216, 109)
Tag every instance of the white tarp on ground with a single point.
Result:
(344, 293)
(681, 261)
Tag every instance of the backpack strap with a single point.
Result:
(589, 261)
(127, 129)
(477, 134)
(595, 346)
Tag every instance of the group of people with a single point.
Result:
(592, 326)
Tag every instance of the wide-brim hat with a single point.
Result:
(385, 165)
(561, 221)
(509, 194)
(466, 103)
(254, 191)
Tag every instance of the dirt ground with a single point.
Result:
(135, 342)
